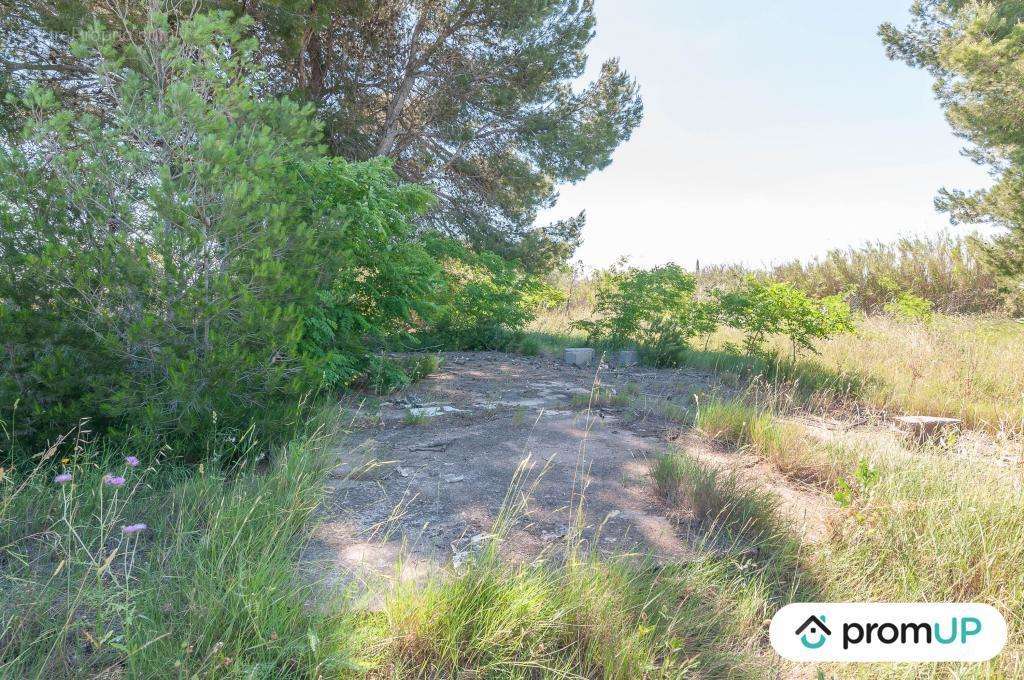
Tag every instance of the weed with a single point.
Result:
(729, 421)
(175, 572)
(414, 419)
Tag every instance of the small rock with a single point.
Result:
(402, 471)
(480, 538)
(434, 411)
(452, 479)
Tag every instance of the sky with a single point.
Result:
(772, 131)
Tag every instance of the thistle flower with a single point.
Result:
(62, 478)
(132, 461)
(134, 528)
(113, 480)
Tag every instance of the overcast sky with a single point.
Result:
(772, 131)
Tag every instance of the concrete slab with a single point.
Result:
(579, 356)
(927, 428)
(627, 357)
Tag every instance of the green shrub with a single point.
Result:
(910, 307)
(762, 309)
(654, 309)
(193, 263)
(485, 302)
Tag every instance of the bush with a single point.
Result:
(654, 309)
(192, 263)
(762, 309)
(910, 307)
(485, 302)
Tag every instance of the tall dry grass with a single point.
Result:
(947, 270)
(967, 367)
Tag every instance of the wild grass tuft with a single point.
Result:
(729, 421)
(581, 617)
(716, 500)
(207, 589)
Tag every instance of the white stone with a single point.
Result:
(579, 356)
(434, 411)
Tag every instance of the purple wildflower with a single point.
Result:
(134, 528)
(62, 478)
(113, 480)
(132, 461)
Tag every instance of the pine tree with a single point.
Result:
(974, 51)
(472, 98)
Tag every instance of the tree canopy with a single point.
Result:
(974, 51)
(475, 100)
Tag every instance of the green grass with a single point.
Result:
(730, 421)
(582, 616)
(929, 528)
(208, 590)
(717, 500)
(413, 419)
(783, 444)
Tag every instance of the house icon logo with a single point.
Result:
(813, 632)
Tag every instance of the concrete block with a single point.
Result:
(579, 356)
(627, 357)
(927, 428)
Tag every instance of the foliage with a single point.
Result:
(973, 50)
(384, 282)
(484, 301)
(765, 308)
(911, 307)
(654, 309)
(191, 262)
(385, 374)
(865, 477)
(474, 99)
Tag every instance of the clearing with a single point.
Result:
(566, 452)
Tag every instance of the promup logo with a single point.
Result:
(888, 632)
(815, 630)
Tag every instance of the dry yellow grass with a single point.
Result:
(968, 367)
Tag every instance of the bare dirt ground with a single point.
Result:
(422, 481)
